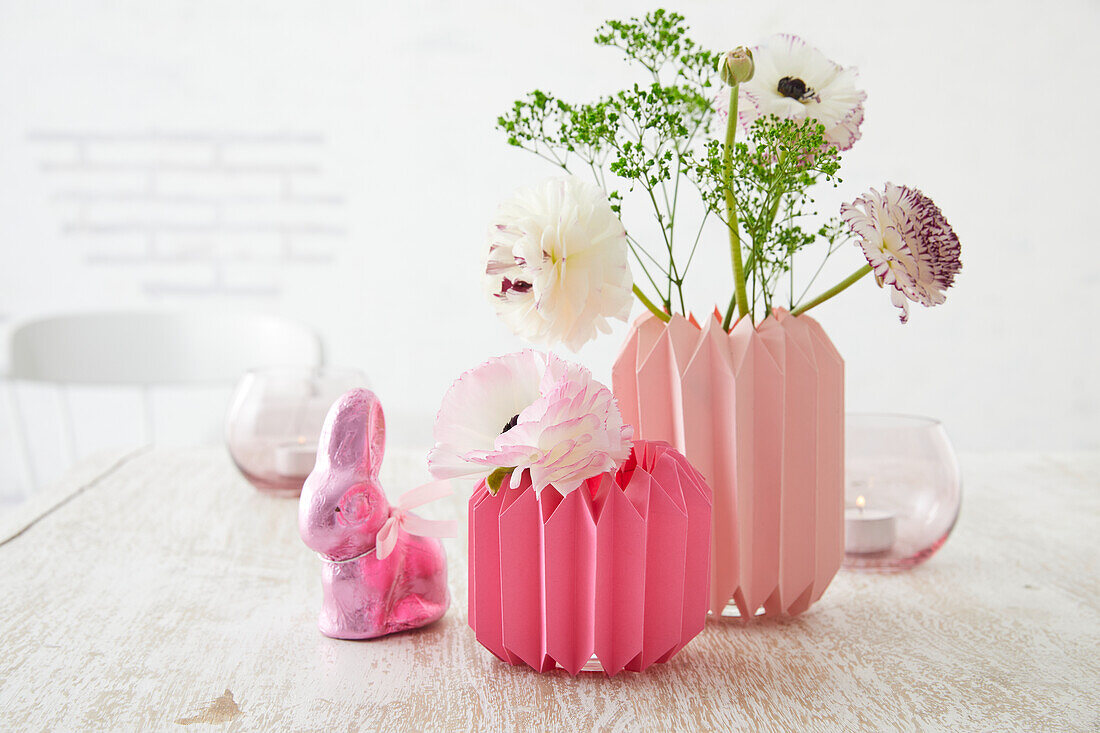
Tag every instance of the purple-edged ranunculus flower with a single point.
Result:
(908, 243)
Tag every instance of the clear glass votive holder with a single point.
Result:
(275, 418)
(902, 491)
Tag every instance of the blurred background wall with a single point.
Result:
(337, 163)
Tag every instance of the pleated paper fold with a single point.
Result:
(617, 570)
(760, 413)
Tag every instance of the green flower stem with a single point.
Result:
(731, 210)
(649, 304)
(839, 288)
(729, 313)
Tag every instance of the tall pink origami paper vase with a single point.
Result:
(760, 413)
(617, 570)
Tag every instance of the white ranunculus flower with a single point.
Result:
(557, 268)
(794, 80)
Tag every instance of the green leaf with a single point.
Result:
(496, 479)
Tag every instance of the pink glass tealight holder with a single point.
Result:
(274, 422)
(902, 491)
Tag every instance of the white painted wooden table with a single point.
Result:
(160, 590)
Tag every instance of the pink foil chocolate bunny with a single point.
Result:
(379, 575)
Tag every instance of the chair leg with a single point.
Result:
(70, 423)
(19, 427)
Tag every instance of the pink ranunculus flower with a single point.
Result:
(533, 412)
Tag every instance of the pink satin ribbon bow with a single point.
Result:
(400, 518)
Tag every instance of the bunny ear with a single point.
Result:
(355, 433)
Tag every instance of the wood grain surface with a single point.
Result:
(164, 592)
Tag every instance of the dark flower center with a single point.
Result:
(795, 88)
(520, 286)
(510, 424)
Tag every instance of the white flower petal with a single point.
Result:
(478, 406)
(831, 95)
(557, 266)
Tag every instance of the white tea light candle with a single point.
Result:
(868, 530)
(295, 459)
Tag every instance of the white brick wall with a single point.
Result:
(194, 213)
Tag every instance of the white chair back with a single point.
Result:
(145, 349)
(157, 348)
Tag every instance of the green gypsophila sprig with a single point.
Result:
(771, 177)
(642, 138)
(654, 136)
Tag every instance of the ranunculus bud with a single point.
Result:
(737, 66)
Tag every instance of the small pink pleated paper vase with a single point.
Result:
(760, 413)
(610, 576)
